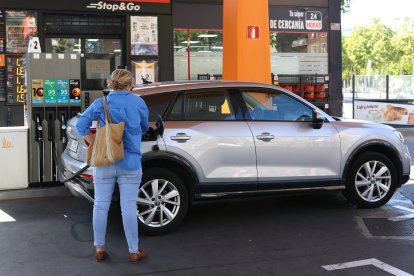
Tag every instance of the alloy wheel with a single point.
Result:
(158, 203)
(373, 181)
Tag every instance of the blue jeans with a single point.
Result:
(105, 178)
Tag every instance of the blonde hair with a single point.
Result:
(120, 79)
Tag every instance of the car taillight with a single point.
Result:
(86, 176)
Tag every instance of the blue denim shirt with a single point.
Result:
(123, 107)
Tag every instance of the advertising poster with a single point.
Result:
(387, 113)
(20, 26)
(62, 87)
(74, 94)
(145, 71)
(144, 35)
(38, 92)
(16, 89)
(50, 91)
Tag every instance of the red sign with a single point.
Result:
(253, 32)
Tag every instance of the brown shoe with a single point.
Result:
(100, 255)
(137, 256)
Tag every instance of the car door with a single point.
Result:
(206, 128)
(288, 148)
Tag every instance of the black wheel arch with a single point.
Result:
(376, 146)
(176, 164)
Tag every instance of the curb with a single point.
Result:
(35, 193)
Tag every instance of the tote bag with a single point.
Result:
(107, 146)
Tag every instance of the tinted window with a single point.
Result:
(202, 106)
(275, 106)
(157, 103)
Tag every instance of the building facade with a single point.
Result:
(163, 40)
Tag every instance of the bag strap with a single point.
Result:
(107, 116)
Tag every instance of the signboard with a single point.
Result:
(253, 32)
(50, 91)
(297, 19)
(74, 91)
(387, 113)
(38, 92)
(111, 6)
(16, 90)
(62, 87)
(144, 35)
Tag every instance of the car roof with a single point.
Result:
(172, 86)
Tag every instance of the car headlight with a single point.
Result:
(399, 135)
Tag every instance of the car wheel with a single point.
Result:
(371, 181)
(162, 201)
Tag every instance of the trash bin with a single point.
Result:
(14, 169)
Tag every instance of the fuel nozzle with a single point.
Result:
(63, 128)
(39, 128)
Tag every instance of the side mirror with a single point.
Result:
(317, 119)
(160, 125)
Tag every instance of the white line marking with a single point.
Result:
(381, 265)
(404, 217)
(4, 217)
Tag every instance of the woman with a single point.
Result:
(123, 107)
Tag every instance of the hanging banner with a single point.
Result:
(298, 19)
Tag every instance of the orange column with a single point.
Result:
(246, 45)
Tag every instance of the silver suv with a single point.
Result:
(219, 139)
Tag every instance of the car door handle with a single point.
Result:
(265, 136)
(181, 137)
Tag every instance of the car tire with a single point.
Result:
(162, 201)
(371, 180)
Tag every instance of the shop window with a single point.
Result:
(63, 45)
(323, 48)
(197, 52)
(20, 26)
(298, 53)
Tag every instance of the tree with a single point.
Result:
(366, 44)
(403, 41)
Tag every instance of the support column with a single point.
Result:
(246, 45)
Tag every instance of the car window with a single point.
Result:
(275, 105)
(202, 106)
(157, 103)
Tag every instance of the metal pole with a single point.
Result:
(353, 96)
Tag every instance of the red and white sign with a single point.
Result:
(253, 32)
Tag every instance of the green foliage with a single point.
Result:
(389, 51)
